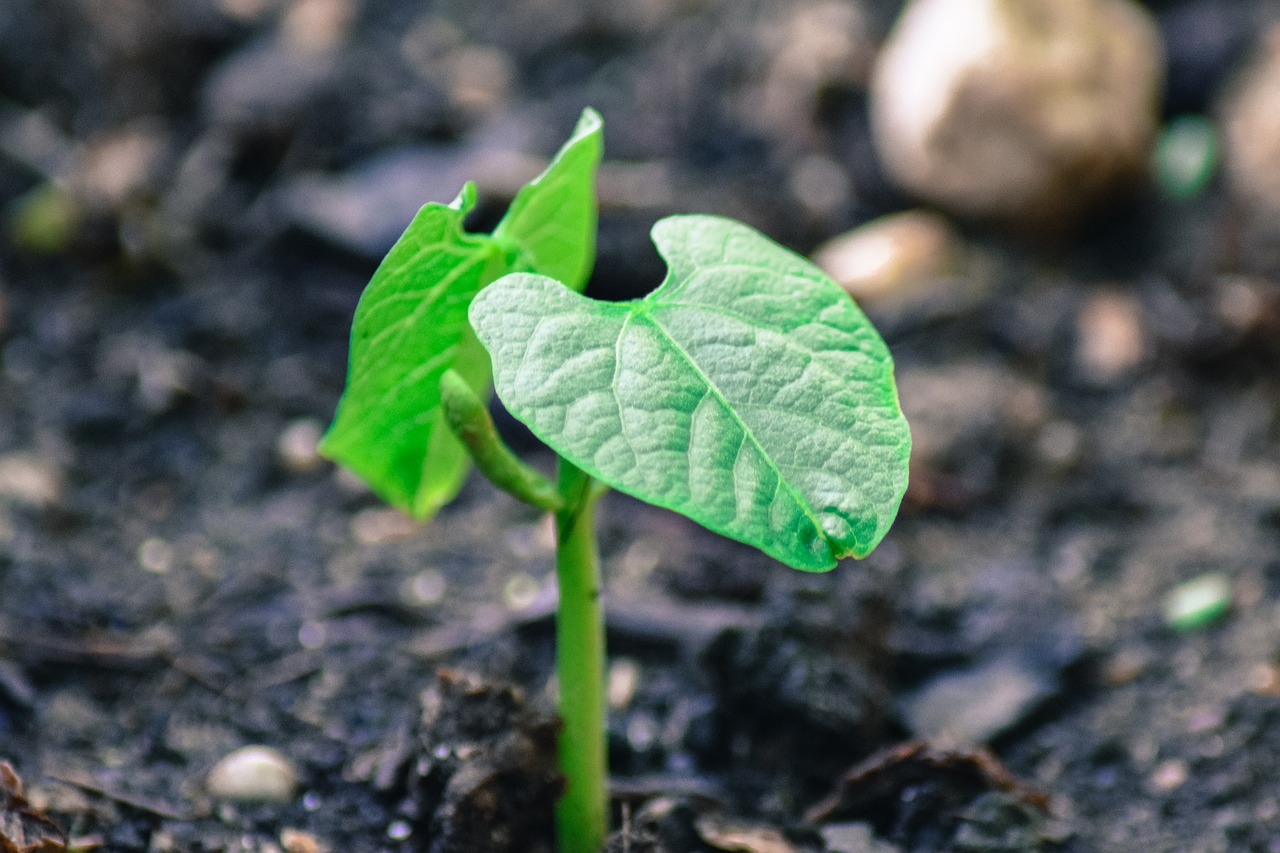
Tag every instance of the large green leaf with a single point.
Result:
(411, 324)
(748, 392)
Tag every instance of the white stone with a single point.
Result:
(1251, 131)
(296, 446)
(28, 480)
(1110, 341)
(257, 774)
(893, 258)
(1022, 111)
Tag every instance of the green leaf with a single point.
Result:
(411, 324)
(748, 392)
(552, 219)
(407, 331)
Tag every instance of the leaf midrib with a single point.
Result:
(746, 430)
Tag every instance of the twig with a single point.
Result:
(132, 802)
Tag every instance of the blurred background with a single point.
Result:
(1063, 214)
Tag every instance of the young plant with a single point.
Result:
(747, 392)
(411, 324)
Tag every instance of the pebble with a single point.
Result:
(1251, 131)
(971, 707)
(1168, 776)
(1024, 113)
(257, 774)
(118, 166)
(1110, 340)
(317, 25)
(1198, 602)
(624, 678)
(155, 555)
(423, 589)
(520, 591)
(1264, 678)
(893, 259)
(296, 446)
(727, 834)
(30, 481)
(297, 841)
(854, 838)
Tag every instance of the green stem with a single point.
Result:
(581, 812)
(468, 419)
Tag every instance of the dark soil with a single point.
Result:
(197, 190)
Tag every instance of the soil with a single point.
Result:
(196, 193)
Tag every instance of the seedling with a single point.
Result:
(747, 392)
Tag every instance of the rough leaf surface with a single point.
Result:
(411, 324)
(748, 392)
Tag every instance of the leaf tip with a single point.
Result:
(466, 198)
(589, 122)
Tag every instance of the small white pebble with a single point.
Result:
(155, 555)
(296, 446)
(425, 588)
(894, 258)
(253, 774)
(624, 677)
(520, 591)
(399, 830)
(1111, 340)
(1168, 775)
(29, 481)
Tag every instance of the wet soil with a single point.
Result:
(195, 194)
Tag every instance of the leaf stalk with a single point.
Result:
(468, 418)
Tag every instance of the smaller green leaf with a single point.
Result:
(411, 324)
(407, 329)
(553, 218)
(748, 392)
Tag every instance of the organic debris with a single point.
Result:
(24, 828)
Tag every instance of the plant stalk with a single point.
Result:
(468, 418)
(581, 819)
